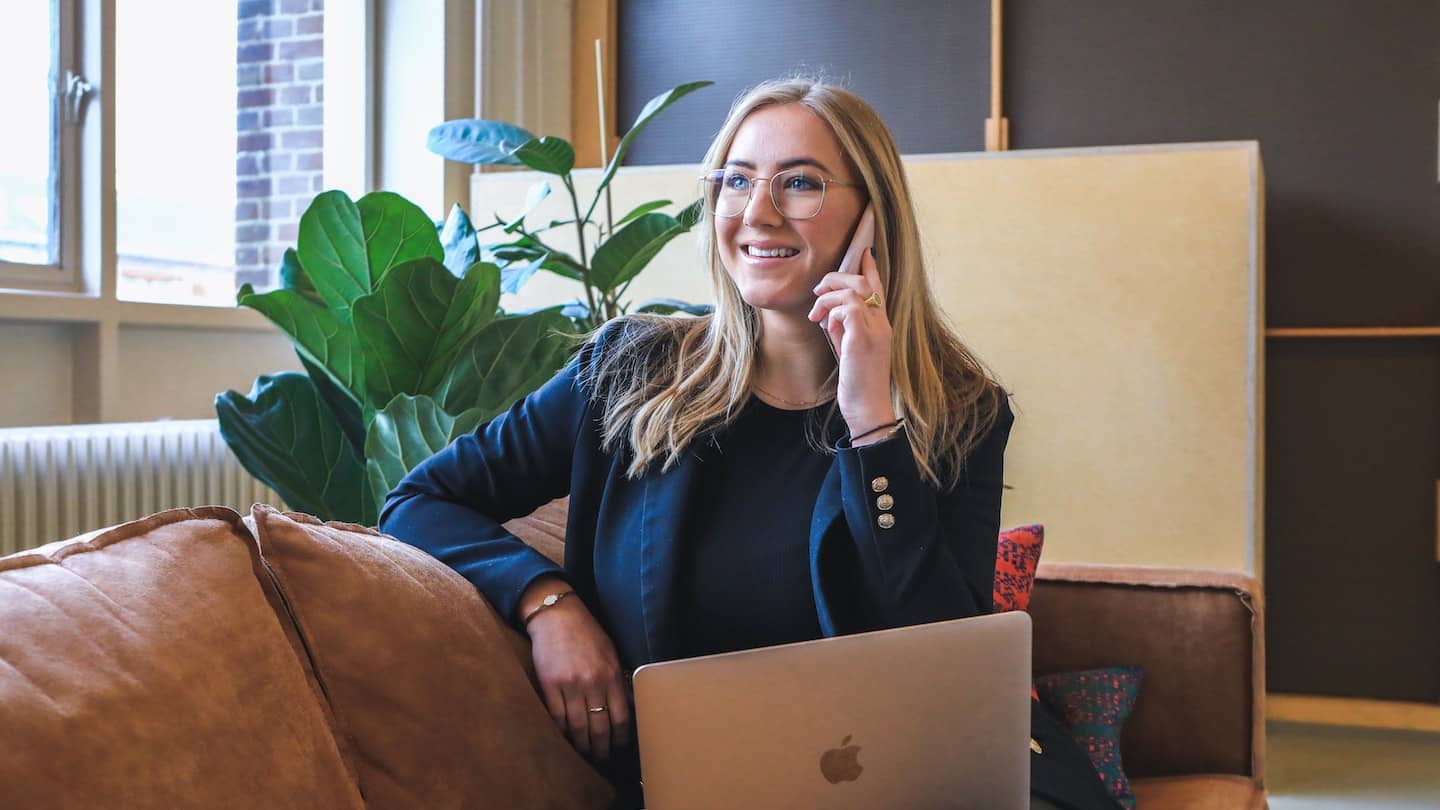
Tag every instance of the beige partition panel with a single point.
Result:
(1116, 291)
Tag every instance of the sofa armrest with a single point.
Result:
(1200, 637)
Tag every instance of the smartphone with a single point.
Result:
(863, 239)
(859, 243)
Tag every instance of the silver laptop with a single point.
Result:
(930, 716)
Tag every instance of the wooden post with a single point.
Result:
(997, 127)
(593, 19)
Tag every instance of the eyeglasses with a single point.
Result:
(797, 193)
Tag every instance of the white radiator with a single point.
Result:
(57, 482)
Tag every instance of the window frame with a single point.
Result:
(65, 273)
(81, 289)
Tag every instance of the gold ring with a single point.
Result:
(873, 300)
(595, 709)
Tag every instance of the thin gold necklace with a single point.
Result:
(812, 403)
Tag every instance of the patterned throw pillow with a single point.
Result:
(1016, 558)
(1093, 705)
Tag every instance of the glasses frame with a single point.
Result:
(825, 184)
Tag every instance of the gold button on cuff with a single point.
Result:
(886, 520)
(880, 484)
(885, 501)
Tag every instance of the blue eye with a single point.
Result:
(801, 182)
(734, 181)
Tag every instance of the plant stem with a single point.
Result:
(584, 257)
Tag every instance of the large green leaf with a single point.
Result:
(475, 140)
(316, 331)
(474, 305)
(285, 435)
(622, 256)
(411, 328)
(548, 154)
(343, 405)
(331, 247)
(398, 327)
(652, 108)
(396, 231)
(508, 359)
(408, 431)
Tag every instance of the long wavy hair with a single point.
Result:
(668, 381)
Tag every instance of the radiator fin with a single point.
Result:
(57, 482)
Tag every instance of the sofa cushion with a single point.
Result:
(142, 666)
(1203, 792)
(421, 674)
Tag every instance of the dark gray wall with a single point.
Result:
(892, 54)
(1342, 96)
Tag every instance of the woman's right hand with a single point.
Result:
(578, 668)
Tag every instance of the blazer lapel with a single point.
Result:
(666, 499)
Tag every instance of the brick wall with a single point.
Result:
(280, 68)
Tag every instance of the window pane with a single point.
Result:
(29, 213)
(217, 143)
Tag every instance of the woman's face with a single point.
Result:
(771, 140)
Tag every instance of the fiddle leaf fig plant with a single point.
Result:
(398, 324)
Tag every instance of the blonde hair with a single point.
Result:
(668, 381)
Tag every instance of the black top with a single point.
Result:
(744, 573)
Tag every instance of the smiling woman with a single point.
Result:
(733, 483)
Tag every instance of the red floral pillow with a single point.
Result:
(1015, 562)
(1016, 558)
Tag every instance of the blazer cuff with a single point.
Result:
(526, 571)
(884, 479)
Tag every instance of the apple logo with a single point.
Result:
(841, 764)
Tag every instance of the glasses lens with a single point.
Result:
(727, 192)
(798, 193)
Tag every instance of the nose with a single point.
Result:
(760, 208)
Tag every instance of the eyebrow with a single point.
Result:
(788, 163)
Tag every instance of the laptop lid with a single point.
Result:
(928, 716)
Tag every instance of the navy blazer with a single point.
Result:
(622, 537)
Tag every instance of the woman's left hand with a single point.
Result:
(861, 335)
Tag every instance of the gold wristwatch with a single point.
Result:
(551, 600)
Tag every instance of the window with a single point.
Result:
(218, 138)
(30, 169)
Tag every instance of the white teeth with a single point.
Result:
(770, 254)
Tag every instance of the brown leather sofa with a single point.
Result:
(196, 658)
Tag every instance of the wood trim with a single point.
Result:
(997, 126)
(594, 19)
(1354, 712)
(1354, 331)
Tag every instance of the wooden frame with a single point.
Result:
(594, 19)
(1354, 712)
(997, 126)
(1354, 332)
